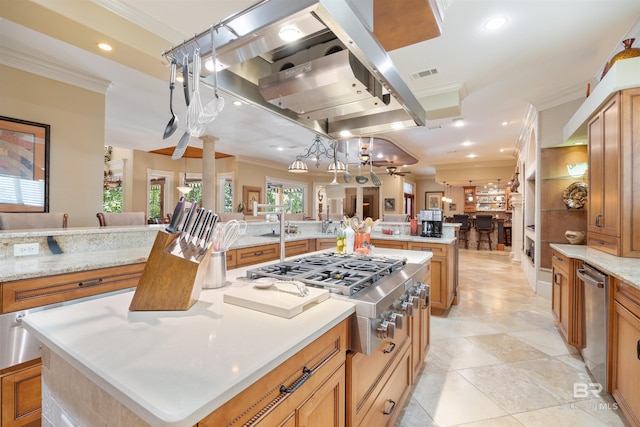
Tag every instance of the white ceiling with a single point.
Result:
(545, 55)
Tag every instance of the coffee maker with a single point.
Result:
(431, 222)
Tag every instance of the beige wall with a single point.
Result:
(76, 117)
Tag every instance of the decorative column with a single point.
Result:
(517, 227)
(209, 172)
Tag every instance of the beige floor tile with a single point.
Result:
(506, 348)
(549, 341)
(414, 415)
(450, 400)
(569, 415)
(507, 421)
(457, 328)
(510, 388)
(460, 353)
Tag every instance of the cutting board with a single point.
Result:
(280, 299)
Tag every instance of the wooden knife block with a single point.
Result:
(168, 282)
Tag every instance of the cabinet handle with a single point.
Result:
(598, 220)
(555, 278)
(258, 253)
(390, 349)
(94, 282)
(393, 408)
(638, 349)
(306, 373)
(426, 303)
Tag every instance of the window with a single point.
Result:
(225, 192)
(281, 193)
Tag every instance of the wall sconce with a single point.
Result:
(577, 170)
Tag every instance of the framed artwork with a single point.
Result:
(452, 206)
(24, 166)
(433, 200)
(249, 195)
(389, 204)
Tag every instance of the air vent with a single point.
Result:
(424, 73)
(434, 127)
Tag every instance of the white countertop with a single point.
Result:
(626, 269)
(174, 368)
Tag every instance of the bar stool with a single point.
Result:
(463, 234)
(484, 227)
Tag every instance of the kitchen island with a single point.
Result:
(168, 368)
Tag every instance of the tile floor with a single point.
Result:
(497, 359)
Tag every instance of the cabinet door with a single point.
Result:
(390, 244)
(604, 170)
(626, 362)
(326, 407)
(21, 397)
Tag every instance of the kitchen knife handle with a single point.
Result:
(187, 220)
(214, 220)
(177, 215)
(194, 227)
(207, 218)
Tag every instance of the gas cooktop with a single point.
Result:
(338, 273)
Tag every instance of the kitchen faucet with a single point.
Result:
(325, 224)
(279, 211)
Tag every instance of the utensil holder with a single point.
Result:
(216, 275)
(169, 282)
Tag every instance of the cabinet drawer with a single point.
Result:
(389, 402)
(302, 374)
(29, 293)
(560, 261)
(322, 244)
(608, 244)
(298, 247)
(366, 373)
(390, 244)
(257, 254)
(231, 259)
(437, 250)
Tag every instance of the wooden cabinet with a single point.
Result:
(442, 274)
(40, 291)
(390, 244)
(20, 395)
(614, 175)
(257, 254)
(624, 344)
(298, 247)
(420, 329)
(308, 389)
(322, 244)
(368, 376)
(469, 199)
(567, 298)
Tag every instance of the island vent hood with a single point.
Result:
(335, 77)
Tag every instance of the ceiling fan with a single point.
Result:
(393, 171)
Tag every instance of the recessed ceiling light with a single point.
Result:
(289, 34)
(280, 149)
(237, 103)
(345, 133)
(505, 123)
(458, 122)
(472, 156)
(494, 23)
(208, 64)
(467, 143)
(105, 46)
(397, 125)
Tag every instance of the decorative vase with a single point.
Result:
(627, 52)
(515, 183)
(574, 237)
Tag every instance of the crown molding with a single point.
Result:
(51, 70)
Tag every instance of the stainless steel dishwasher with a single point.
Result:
(594, 353)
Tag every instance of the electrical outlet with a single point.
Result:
(22, 249)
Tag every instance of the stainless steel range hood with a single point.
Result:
(336, 77)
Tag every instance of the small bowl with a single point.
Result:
(574, 237)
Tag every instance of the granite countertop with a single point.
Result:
(93, 248)
(174, 368)
(625, 269)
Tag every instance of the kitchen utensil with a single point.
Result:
(178, 152)
(212, 109)
(374, 178)
(227, 234)
(194, 127)
(361, 179)
(173, 122)
(347, 176)
(177, 216)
